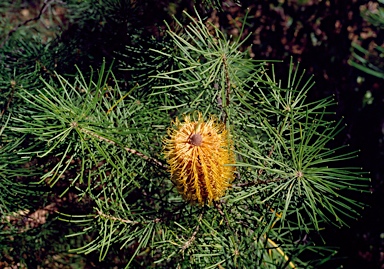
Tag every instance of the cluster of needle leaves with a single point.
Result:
(100, 138)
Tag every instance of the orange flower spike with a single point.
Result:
(197, 153)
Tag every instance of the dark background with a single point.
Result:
(318, 34)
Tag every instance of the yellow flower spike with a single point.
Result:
(197, 153)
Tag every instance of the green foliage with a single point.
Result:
(366, 61)
(370, 61)
(96, 137)
(374, 14)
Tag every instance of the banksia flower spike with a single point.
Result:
(197, 153)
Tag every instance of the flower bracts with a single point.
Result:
(197, 153)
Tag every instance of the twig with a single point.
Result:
(45, 69)
(13, 84)
(133, 151)
(257, 182)
(269, 156)
(101, 214)
(42, 10)
(223, 215)
(281, 252)
(192, 238)
(228, 84)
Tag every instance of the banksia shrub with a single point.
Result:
(100, 146)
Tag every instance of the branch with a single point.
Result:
(13, 84)
(217, 205)
(133, 151)
(228, 83)
(269, 156)
(257, 182)
(192, 238)
(101, 214)
(281, 252)
(42, 10)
